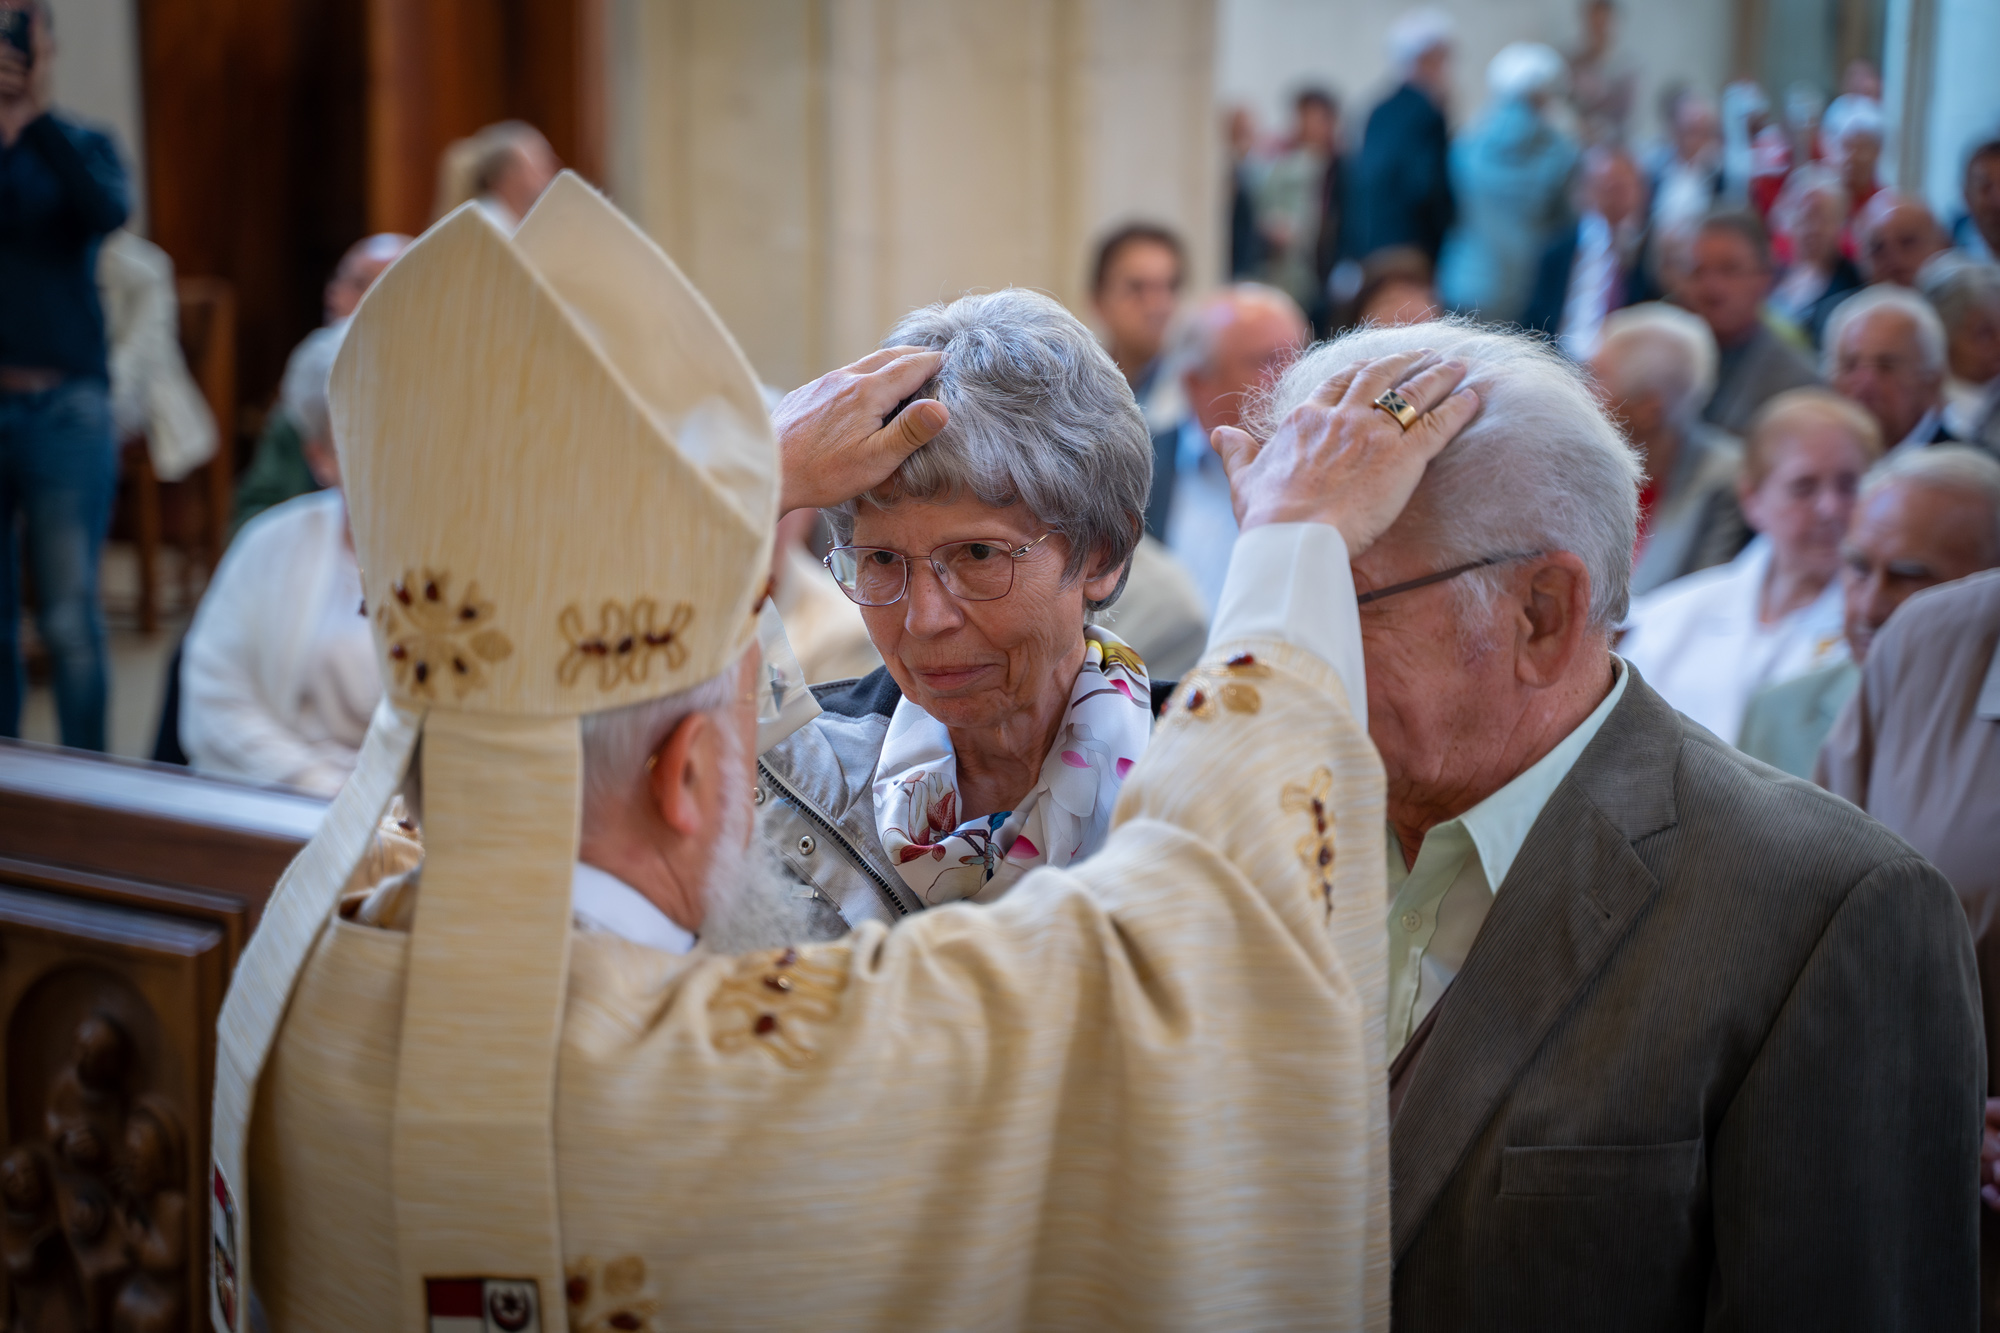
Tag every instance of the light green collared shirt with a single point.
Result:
(1437, 906)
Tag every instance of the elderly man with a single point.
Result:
(1677, 1043)
(1924, 517)
(1729, 276)
(1897, 233)
(1147, 1090)
(1597, 266)
(1655, 369)
(1966, 297)
(1235, 343)
(1918, 748)
(1885, 351)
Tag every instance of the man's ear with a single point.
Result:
(675, 771)
(1557, 613)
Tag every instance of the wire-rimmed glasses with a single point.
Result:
(1441, 576)
(972, 571)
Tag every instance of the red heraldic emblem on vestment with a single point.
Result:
(483, 1305)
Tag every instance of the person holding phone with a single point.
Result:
(62, 190)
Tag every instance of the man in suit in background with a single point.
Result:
(1678, 1043)
(1730, 276)
(1918, 748)
(1886, 350)
(1236, 342)
(1402, 185)
(1598, 265)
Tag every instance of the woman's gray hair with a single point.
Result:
(1541, 468)
(1040, 415)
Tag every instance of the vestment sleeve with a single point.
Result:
(1147, 1090)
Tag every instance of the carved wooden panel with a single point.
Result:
(126, 894)
(110, 1055)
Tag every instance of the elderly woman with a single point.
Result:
(1510, 173)
(1711, 640)
(996, 734)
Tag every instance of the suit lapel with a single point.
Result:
(1574, 892)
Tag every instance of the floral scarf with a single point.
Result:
(1063, 819)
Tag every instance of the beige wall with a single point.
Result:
(96, 79)
(820, 167)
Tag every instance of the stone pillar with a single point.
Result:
(819, 167)
(1940, 93)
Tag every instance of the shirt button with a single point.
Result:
(759, 796)
(806, 845)
(1413, 922)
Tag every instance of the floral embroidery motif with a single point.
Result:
(625, 642)
(433, 636)
(1315, 796)
(773, 1000)
(1205, 693)
(609, 1297)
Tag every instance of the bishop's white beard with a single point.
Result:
(750, 902)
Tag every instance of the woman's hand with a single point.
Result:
(835, 436)
(1340, 459)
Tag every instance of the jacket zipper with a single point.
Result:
(827, 828)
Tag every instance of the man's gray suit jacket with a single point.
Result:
(1714, 1062)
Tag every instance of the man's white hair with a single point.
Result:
(1661, 349)
(1958, 287)
(1931, 344)
(1541, 468)
(618, 741)
(1193, 345)
(1958, 468)
(1415, 35)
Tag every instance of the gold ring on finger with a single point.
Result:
(1398, 407)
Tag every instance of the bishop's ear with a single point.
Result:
(677, 772)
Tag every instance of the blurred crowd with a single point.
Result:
(1806, 360)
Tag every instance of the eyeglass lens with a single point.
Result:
(973, 571)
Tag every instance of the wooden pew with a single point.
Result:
(127, 891)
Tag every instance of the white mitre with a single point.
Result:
(563, 487)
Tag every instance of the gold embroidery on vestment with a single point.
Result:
(610, 1299)
(1315, 796)
(1210, 690)
(774, 999)
(434, 637)
(625, 642)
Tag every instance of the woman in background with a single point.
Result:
(1711, 640)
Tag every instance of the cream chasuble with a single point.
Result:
(1145, 1091)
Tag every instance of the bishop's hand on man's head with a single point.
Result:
(1340, 457)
